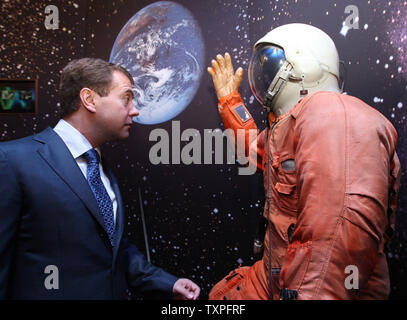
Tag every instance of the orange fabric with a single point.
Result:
(231, 120)
(244, 283)
(345, 182)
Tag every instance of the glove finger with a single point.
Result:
(221, 61)
(211, 71)
(238, 78)
(215, 66)
(228, 64)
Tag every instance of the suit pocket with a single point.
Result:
(240, 284)
(288, 197)
(228, 288)
(297, 259)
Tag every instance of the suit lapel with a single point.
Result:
(58, 157)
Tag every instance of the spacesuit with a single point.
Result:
(331, 173)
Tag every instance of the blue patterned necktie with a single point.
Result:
(102, 197)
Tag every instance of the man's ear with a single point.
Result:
(87, 97)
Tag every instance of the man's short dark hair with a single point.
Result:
(92, 73)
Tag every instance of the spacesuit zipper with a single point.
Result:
(268, 202)
(268, 205)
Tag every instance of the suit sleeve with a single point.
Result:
(395, 176)
(10, 205)
(236, 117)
(145, 277)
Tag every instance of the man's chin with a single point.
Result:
(125, 133)
(120, 135)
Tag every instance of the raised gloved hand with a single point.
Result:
(225, 80)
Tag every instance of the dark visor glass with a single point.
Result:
(264, 65)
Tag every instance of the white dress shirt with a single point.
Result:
(78, 145)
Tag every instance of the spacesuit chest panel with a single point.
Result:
(280, 179)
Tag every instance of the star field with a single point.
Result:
(201, 219)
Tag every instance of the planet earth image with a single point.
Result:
(163, 49)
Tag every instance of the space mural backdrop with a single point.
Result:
(201, 219)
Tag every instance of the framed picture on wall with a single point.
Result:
(18, 96)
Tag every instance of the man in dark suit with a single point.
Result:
(61, 214)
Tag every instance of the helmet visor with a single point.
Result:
(264, 65)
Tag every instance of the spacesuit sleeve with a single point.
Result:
(236, 117)
(395, 176)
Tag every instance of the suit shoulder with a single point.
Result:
(330, 111)
(333, 103)
(364, 107)
(315, 104)
(321, 105)
(23, 145)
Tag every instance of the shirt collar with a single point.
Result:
(74, 140)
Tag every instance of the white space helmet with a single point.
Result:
(295, 53)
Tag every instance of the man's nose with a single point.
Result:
(133, 112)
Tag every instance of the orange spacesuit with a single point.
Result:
(331, 177)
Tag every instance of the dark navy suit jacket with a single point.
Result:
(50, 217)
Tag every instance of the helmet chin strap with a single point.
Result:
(278, 83)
